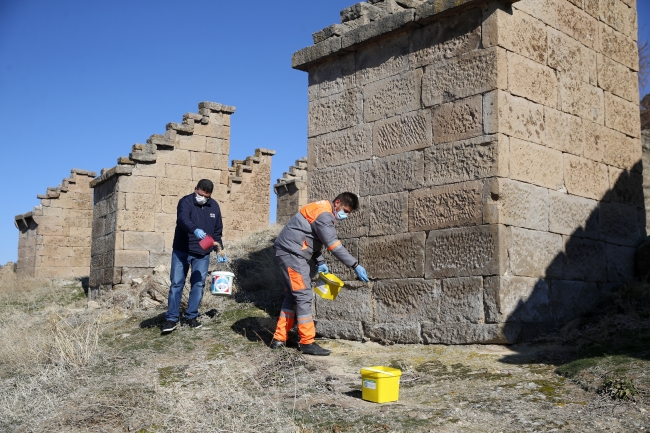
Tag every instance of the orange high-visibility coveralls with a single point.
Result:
(300, 241)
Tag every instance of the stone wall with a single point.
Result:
(291, 190)
(134, 214)
(496, 151)
(54, 239)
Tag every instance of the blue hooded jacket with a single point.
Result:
(191, 216)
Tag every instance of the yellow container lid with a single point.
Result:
(379, 372)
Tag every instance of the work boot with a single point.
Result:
(169, 326)
(314, 349)
(277, 344)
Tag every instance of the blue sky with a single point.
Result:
(81, 81)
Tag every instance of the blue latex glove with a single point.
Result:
(222, 258)
(199, 233)
(322, 267)
(361, 273)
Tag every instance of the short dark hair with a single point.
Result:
(348, 199)
(205, 185)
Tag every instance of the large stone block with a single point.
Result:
(619, 150)
(137, 184)
(199, 173)
(352, 304)
(585, 178)
(400, 333)
(152, 242)
(446, 206)
(339, 329)
(462, 301)
(392, 173)
(382, 59)
(572, 299)
(175, 187)
(342, 147)
(330, 182)
(514, 116)
(577, 24)
(581, 99)
(622, 115)
(619, 47)
(178, 171)
(401, 134)
(617, 79)
(446, 38)
(516, 299)
(626, 187)
(176, 156)
(535, 254)
(516, 203)
(536, 164)
(584, 259)
(531, 80)
(195, 143)
(357, 223)
(472, 73)
(132, 258)
(469, 333)
(476, 158)
(218, 145)
(208, 160)
(458, 120)
(388, 214)
(516, 31)
(570, 57)
(333, 113)
(330, 78)
(620, 263)
(142, 202)
(135, 221)
(394, 256)
(564, 132)
(391, 96)
(407, 300)
(619, 224)
(467, 251)
(620, 14)
(572, 215)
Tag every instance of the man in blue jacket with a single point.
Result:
(197, 216)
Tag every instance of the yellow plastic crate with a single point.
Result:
(328, 286)
(380, 384)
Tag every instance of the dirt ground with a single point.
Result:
(223, 378)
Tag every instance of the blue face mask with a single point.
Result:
(341, 215)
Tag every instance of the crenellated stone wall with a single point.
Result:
(291, 191)
(134, 214)
(496, 150)
(54, 239)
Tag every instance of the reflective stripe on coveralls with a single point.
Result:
(295, 272)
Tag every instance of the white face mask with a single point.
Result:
(200, 199)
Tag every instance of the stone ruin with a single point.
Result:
(496, 150)
(54, 239)
(134, 213)
(291, 190)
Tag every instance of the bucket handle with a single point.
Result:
(378, 371)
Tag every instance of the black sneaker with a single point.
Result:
(169, 326)
(193, 323)
(277, 344)
(314, 349)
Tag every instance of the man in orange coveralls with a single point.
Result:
(300, 241)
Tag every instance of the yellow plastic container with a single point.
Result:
(328, 286)
(380, 384)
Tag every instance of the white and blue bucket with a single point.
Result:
(222, 283)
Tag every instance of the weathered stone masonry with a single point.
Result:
(291, 190)
(134, 214)
(54, 239)
(495, 147)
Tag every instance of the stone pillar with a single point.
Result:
(54, 239)
(496, 151)
(134, 214)
(291, 190)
